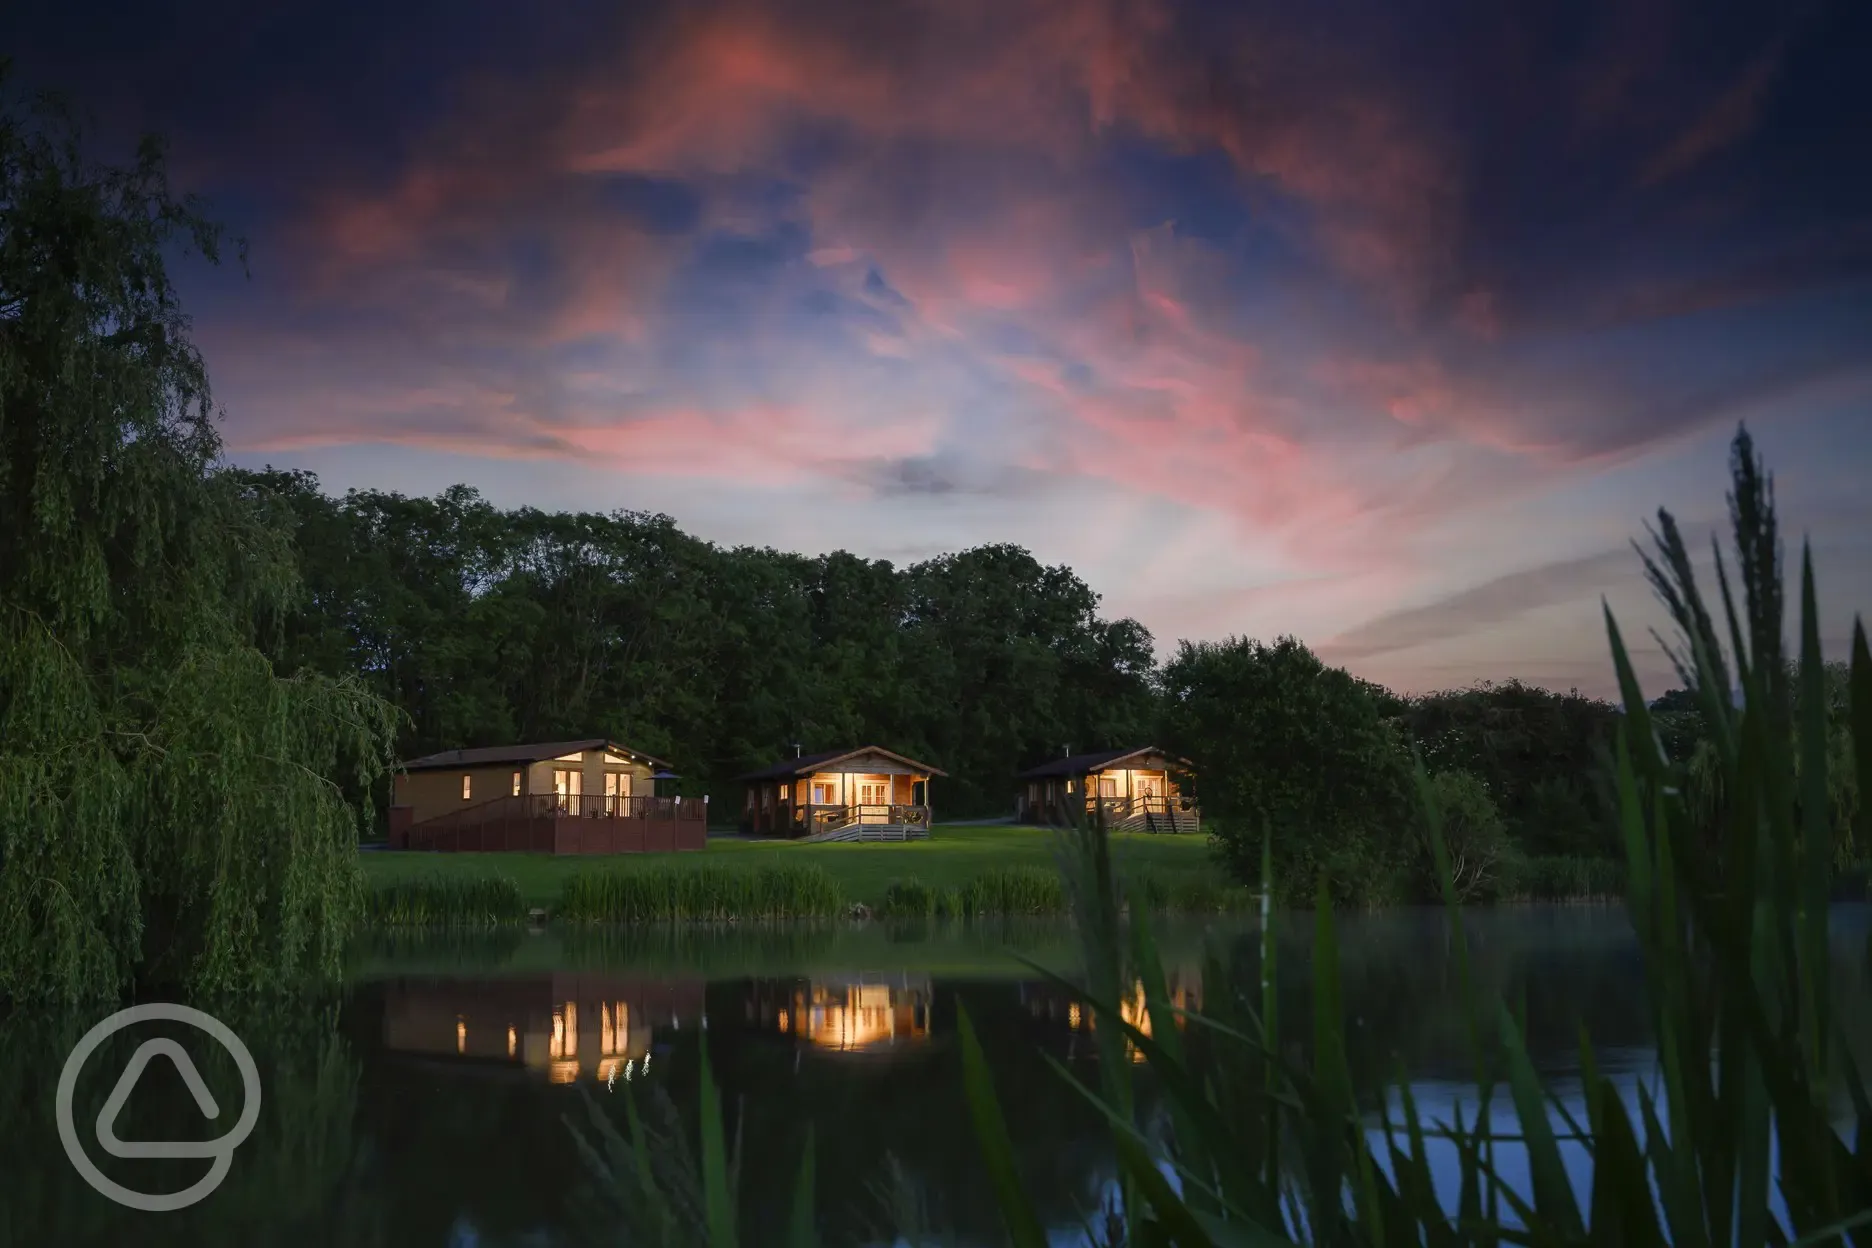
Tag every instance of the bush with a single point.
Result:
(1282, 742)
(677, 894)
(1473, 834)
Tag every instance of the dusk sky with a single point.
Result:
(1382, 323)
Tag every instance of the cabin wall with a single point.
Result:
(437, 791)
(592, 769)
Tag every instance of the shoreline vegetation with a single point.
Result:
(959, 873)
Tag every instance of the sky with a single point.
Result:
(1383, 323)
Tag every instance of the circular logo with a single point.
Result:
(221, 1151)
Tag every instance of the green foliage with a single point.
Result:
(1536, 753)
(1030, 891)
(447, 901)
(1473, 834)
(681, 894)
(170, 808)
(1562, 879)
(1284, 744)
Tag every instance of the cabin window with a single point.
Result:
(467, 787)
(516, 784)
(1069, 786)
(1108, 786)
(750, 799)
(784, 789)
(822, 794)
(1033, 792)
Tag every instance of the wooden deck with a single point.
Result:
(1170, 815)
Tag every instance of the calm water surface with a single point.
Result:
(435, 1101)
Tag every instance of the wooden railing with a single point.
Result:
(826, 818)
(573, 823)
(1128, 807)
(568, 806)
(1123, 814)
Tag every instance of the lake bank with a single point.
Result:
(972, 869)
(960, 870)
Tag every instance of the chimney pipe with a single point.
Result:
(796, 749)
(1066, 751)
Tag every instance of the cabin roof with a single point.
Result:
(489, 755)
(1085, 764)
(787, 768)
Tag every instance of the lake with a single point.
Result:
(434, 1101)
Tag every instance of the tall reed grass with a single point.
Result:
(1737, 1146)
(686, 894)
(1030, 891)
(1563, 879)
(446, 902)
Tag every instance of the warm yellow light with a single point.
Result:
(783, 1020)
(461, 1035)
(513, 1042)
(562, 1072)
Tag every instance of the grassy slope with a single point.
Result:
(949, 858)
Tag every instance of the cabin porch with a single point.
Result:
(865, 794)
(1126, 799)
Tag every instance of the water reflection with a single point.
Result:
(1055, 1006)
(560, 1027)
(852, 1014)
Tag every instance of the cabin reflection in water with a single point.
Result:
(1047, 1002)
(858, 1014)
(561, 1026)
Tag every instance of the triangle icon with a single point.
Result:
(126, 1083)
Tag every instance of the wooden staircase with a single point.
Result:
(866, 823)
(867, 832)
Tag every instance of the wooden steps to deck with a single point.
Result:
(868, 832)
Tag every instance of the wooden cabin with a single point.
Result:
(562, 797)
(1134, 789)
(863, 794)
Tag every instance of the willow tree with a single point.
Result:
(169, 810)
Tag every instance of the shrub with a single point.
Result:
(1473, 834)
(446, 901)
(678, 894)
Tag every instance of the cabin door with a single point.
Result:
(873, 793)
(617, 793)
(567, 784)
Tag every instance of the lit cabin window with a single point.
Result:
(516, 786)
(467, 787)
(783, 792)
(1069, 786)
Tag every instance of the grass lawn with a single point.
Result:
(948, 859)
